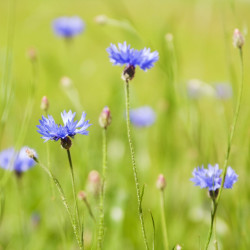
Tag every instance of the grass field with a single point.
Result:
(194, 41)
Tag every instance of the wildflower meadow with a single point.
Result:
(124, 125)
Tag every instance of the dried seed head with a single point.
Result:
(161, 182)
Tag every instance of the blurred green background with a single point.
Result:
(187, 132)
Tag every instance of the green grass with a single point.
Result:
(187, 133)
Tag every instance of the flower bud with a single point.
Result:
(82, 195)
(45, 104)
(105, 118)
(66, 82)
(94, 182)
(169, 37)
(178, 247)
(101, 19)
(32, 54)
(30, 153)
(161, 182)
(238, 39)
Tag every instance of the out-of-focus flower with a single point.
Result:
(238, 39)
(142, 117)
(197, 89)
(52, 131)
(105, 117)
(82, 195)
(101, 19)
(66, 82)
(32, 54)
(94, 182)
(68, 26)
(131, 58)
(223, 90)
(210, 178)
(17, 161)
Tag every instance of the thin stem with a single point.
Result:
(64, 201)
(74, 190)
(163, 220)
(213, 213)
(230, 138)
(102, 194)
(137, 185)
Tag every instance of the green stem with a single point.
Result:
(102, 194)
(137, 185)
(64, 201)
(230, 138)
(163, 220)
(74, 190)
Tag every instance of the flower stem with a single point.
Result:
(102, 194)
(230, 138)
(163, 220)
(137, 185)
(64, 201)
(74, 190)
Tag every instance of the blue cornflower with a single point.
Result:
(131, 58)
(210, 178)
(223, 90)
(17, 161)
(68, 26)
(52, 131)
(142, 117)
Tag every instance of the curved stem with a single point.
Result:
(230, 138)
(137, 185)
(102, 194)
(64, 201)
(163, 220)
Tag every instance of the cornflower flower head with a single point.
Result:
(210, 178)
(142, 117)
(124, 55)
(68, 26)
(223, 91)
(17, 161)
(52, 131)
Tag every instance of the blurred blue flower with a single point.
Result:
(223, 90)
(132, 57)
(51, 131)
(68, 26)
(210, 178)
(142, 117)
(17, 161)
